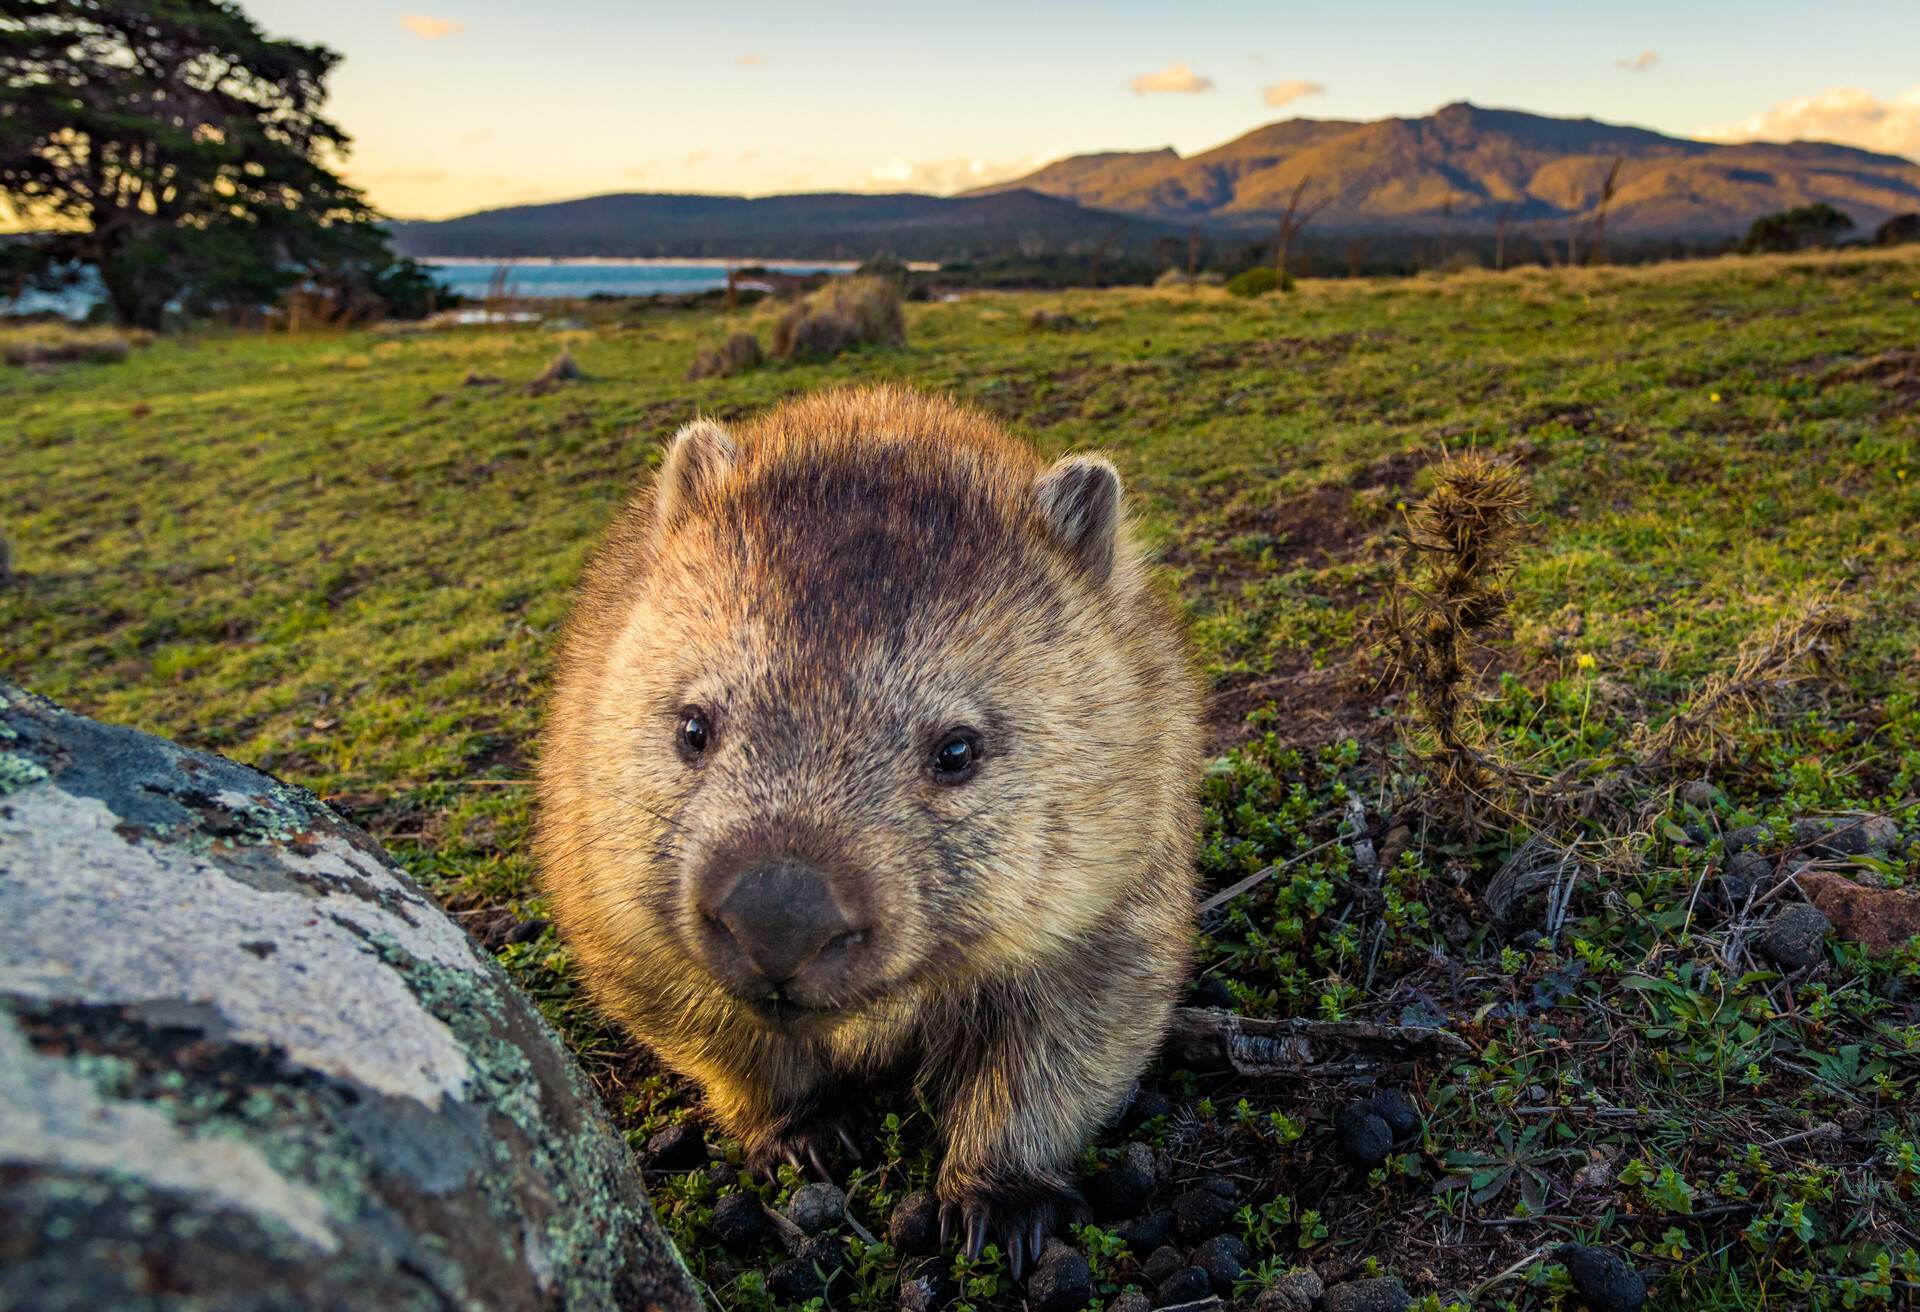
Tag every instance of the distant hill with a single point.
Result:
(819, 225)
(1461, 168)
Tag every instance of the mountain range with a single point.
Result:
(1462, 169)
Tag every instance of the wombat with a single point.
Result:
(874, 750)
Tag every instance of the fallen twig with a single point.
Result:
(1211, 1038)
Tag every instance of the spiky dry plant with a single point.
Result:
(1766, 664)
(1448, 597)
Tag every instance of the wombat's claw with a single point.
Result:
(1018, 1219)
(807, 1147)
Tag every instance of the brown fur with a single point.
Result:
(842, 579)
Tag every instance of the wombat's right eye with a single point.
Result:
(694, 731)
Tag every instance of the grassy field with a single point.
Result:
(344, 558)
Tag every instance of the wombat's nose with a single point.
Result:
(782, 917)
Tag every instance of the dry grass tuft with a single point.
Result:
(844, 314)
(561, 369)
(1448, 597)
(1802, 640)
(736, 355)
(49, 344)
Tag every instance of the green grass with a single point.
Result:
(329, 557)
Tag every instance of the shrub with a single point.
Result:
(844, 314)
(1797, 229)
(67, 346)
(736, 355)
(1260, 280)
(1899, 229)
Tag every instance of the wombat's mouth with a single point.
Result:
(781, 1013)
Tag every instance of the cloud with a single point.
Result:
(1285, 93)
(429, 28)
(1175, 77)
(1847, 115)
(1640, 63)
(751, 61)
(944, 176)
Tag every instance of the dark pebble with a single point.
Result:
(1602, 1278)
(1223, 1258)
(914, 1227)
(1745, 874)
(924, 1287)
(825, 1251)
(1746, 836)
(817, 1207)
(1395, 1108)
(1148, 1104)
(1296, 1291)
(1795, 938)
(1189, 1284)
(1145, 1233)
(1125, 1186)
(1131, 1301)
(1201, 1213)
(527, 930)
(1061, 1282)
(676, 1148)
(1212, 991)
(1161, 1263)
(1697, 792)
(1364, 1137)
(795, 1281)
(1382, 1295)
(738, 1222)
(1846, 835)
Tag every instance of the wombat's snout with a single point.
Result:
(778, 932)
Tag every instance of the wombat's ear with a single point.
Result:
(698, 457)
(1080, 504)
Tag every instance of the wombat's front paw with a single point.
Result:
(810, 1143)
(1016, 1212)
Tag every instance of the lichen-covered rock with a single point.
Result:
(246, 1063)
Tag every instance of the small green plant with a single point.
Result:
(1261, 280)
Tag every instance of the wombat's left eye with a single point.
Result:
(955, 757)
(694, 731)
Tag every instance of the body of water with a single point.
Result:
(529, 279)
(572, 279)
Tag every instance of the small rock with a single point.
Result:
(1880, 918)
(1746, 873)
(1125, 1186)
(1131, 1301)
(1746, 836)
(1061, 1281)
(1382, 1295)
(1796, 938)
(1201, 1213)
(1697, 792)
(1148, 1104)
(1602, 1279)
(825, 1252)
(1212, 991)
(924, 1287)
(676, 1148)
(738, 1222)
(1296, 1291)
(1189, 1284)
(914, 1227)
(1364, 1137)
(527, 930)
(817, 1207)
(1852, 835)
(1223, 1258)
(795, 1281)
(1395, 1108)
(1161, 1263)
(1145, 1233)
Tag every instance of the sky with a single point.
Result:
(457, 105)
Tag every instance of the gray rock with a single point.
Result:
(1697, 792)
(1382, 1295)
(1299, 1290)
(1061, 1281)
(1125, 1186)
(1602, 1278)
(1746, 836)
(243, 1059)
(1795, 938)
(914, 1228)
(1850, 835)
(1189, 1284)
(1130, 1301)
(1223, 1258)
(1747, 872)
(1365, 1137)
(817, 1207)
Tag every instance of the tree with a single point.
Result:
(1292, 221)
(180, 152)
(1797, 229)
(1897, 230)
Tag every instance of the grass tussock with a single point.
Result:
(1448, 598)
(739, 353)
(844, 314)
(49, 344)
